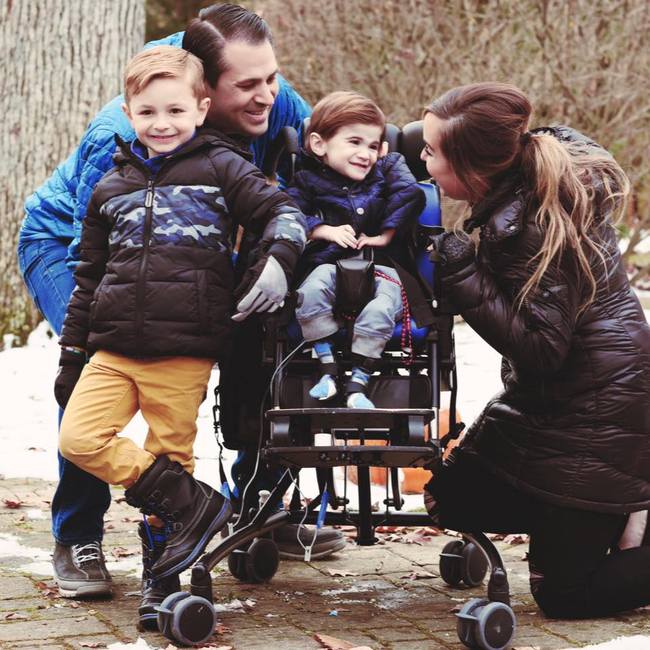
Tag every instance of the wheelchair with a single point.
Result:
(405, 424)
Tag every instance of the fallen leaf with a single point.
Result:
(513, 540)
(91, 644)
(337, 573)
(15, 616)
(13, 505)
(120, 551)
(35, 449)
(419, 575)
(49, 591)
(332, 643)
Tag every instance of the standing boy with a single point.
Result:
(153, 303)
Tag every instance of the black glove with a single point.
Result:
(71, 363)
(451, 251)
(266, 284)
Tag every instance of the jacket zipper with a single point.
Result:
(139, 294)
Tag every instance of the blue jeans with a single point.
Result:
(80, 500)
(373, 327)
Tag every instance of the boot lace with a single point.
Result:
(83, 553)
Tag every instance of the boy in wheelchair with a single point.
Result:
(354, 200)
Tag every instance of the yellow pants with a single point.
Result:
(110, 391)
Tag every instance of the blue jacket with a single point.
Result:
(57, 208)
(389, 197)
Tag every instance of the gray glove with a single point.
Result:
(267, 294)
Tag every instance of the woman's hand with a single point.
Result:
(452, 251)
(344, 236)
(378, 241)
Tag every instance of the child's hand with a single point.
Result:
(344, 236)
(378, 241)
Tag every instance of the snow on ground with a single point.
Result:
(28, 429)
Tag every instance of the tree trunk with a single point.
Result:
(61, 61)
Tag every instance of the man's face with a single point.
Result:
(246, 89)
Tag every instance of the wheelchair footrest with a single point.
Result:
(403, 426)
(337, 456)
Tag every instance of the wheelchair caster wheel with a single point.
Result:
(262, 560)
(450, 563)
(474, 565)
(486, 625)
(237, 565)
(466, 623)
(460, 561)
(186, 619)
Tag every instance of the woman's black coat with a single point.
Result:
(572, 424)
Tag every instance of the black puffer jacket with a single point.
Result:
(155, 276)
(572, 425)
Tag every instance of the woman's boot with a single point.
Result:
(154, 590)
(192, 511)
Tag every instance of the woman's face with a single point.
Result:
(437, 165)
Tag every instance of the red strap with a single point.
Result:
(407, 336)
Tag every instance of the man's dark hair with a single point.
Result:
(207, 35)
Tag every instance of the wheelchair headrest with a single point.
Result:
(410, 146)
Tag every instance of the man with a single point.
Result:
(248, 98)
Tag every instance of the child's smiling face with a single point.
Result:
(351, 151)
(165, 114)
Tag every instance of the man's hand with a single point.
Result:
(71, 363)
(378, 241)
(344, 236)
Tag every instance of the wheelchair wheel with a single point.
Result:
(192, 620)
(237, 565)
(261, 560)
(473, 566)
(466, 623)
(485, 625)
(495, 626)
(165, 611)
(450, 563)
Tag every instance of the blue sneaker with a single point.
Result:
(324, 389)
(359, 401)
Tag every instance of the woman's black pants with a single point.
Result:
(573, 574)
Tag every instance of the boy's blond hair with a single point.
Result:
(163, 62)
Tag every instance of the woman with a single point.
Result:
(563, 452)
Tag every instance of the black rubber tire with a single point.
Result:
(165, 617)
(495, 626)
(473, 566)
(262, 560)
(237, 566)
(450, 562)
(193, 621)
(466, 628)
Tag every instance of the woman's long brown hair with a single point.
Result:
(485, 136)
